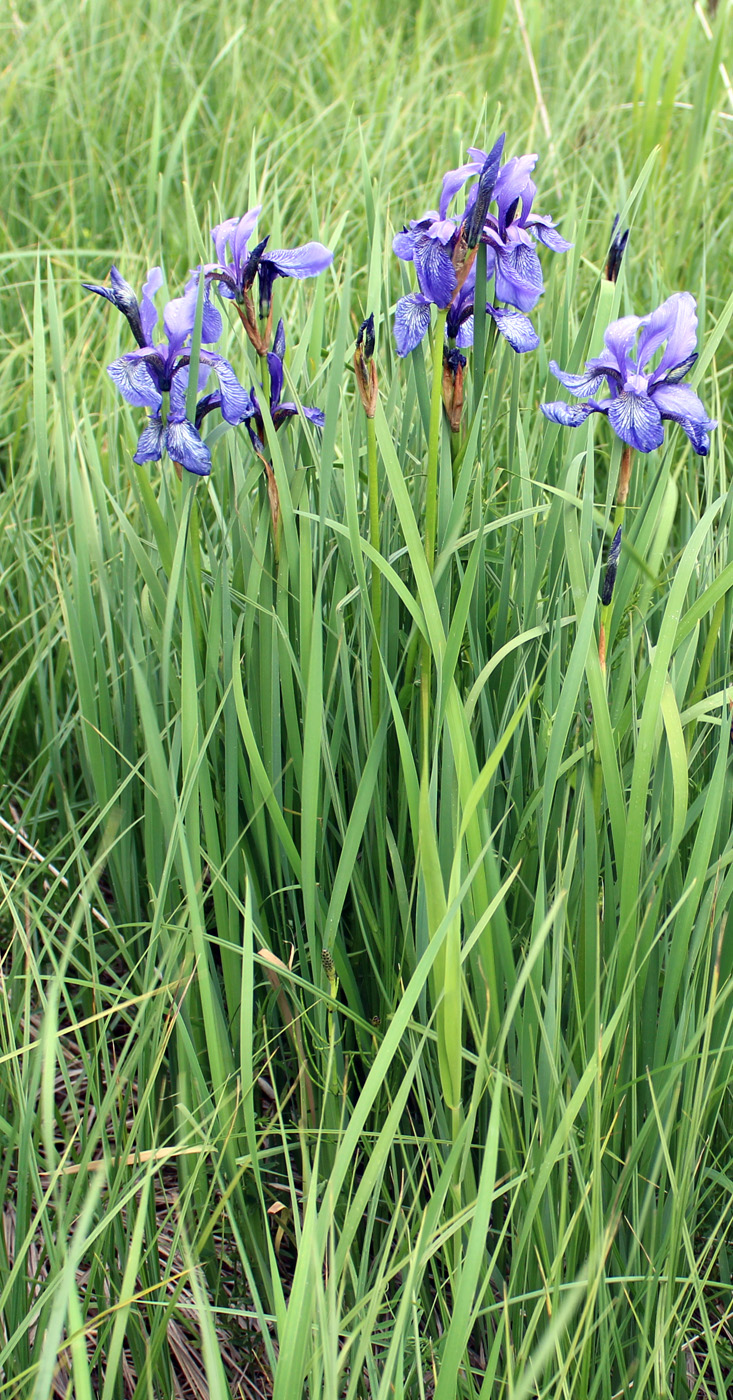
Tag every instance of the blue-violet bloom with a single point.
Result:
(145, 375)
(642, 397)
(235, 278)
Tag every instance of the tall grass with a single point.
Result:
(489, 1155)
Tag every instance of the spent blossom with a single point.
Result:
(641, 397)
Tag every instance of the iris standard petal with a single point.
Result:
(618, 339)
(150, 443)
(581, 384)
(135, 382)
(454, 180)
(222, 235)
(185, 446)
(637, 421)
(515, 328)
(148, 311)
(240, 236)
(519, 276)
(411, 322)
(571, 415)
(306, 261)
(674, 321)
(435, 271)
(511, 183)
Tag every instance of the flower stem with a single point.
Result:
(374, 533)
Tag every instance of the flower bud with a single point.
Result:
(616, 252)
(366, 369)
(614, 555)
(454, 364)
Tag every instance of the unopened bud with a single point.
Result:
(365, 367)
(454, 364)
(616, 252)
(614, 555)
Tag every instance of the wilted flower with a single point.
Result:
(145, 375)
(454, 364)
(641, 398)
(279, 412)
(235, 278)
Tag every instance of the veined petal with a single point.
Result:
(411, 322)
(680, 403)
(443, 230)
(306, 261)
(185, 446)
(150, 443)
(571, 415)
(515, 328)
(674, 321)
(316, 416)
(403, 244)
(545, 231)
(519, 276)
(464, 334)
(579, 384)
(178, 318)
(148, 312)
(637, 421)
(135, 382)
(618, 339)
(236, 404)
(435, 271)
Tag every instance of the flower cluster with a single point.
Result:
(443, 251)
(156, 374)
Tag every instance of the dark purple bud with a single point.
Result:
(267, 273)
(474, 225)
(616, 252)
(123, 297)
(365, 338)
(614, 555)
(252, 265)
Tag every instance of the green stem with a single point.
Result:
(374, 533)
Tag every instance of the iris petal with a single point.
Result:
(580, 384)
(680, 403)
(306, 261)
(134, 381)
(674, 321)
(435, 271)
(637, 421)
(236, 404)
(519, 276)
(619, 337)
(411, 322)
(150, 443)
(571, 415)
(516, 328)
(185, 446)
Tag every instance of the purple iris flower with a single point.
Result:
(642, 397)
(279, 412)
(235, 278)
(144, 375)
(511, 257)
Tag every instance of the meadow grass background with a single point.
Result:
(497, 1161)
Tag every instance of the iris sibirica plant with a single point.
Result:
(279, 412)
(155, 376)
(642, 397)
